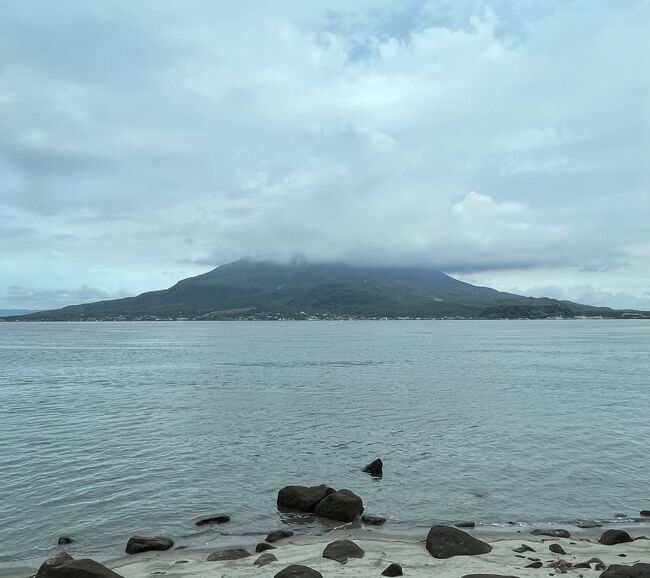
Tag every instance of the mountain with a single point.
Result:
(262, 290)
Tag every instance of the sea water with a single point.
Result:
(114, 429)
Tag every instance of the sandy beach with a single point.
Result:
(410, 553)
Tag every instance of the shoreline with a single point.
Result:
(382, 548)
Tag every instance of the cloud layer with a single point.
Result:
(503, 141)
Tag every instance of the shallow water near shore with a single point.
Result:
(113, 429)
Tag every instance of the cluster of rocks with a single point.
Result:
(342, 505)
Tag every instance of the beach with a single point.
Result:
(381, 550)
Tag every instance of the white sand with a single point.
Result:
(380, 552)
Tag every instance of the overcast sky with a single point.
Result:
(504, 142)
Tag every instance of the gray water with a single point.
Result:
(112, 429)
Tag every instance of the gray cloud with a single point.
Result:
(144, 142)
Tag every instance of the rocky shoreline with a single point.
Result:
(458, 551)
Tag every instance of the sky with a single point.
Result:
(505, 142)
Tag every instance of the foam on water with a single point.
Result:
(112, 429)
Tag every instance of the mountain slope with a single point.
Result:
(247, 289)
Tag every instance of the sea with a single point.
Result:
(108, 430)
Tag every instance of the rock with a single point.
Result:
(534, 565)
(342, 505)
(342, 551)
(557, 549)
(216, 519)
(445, 542)
(265, 559)
(464, 524)
(640, 570)
(278, 535)
(589, 524)
(523, 548)
(64, 540)
(298, 571)
(137, 544)
(375, 468)
(393, 570)
(622, 555)
(595, 561)
(599, 567)
(581, 565)
(64, 566)
(645, 513)
(230, 554)
(303, 498)
(558, 533)
(262, 546)
(620, 515)
(373, 520)
(611, 537)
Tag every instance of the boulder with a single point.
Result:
(298, 571)
(264, 559)
(523, 548)
(64, 566)
(230, 554)
(278, 535)
(557, 549)
(465, 524)
(137, 544)
(445, 542)
(342, 505)
(375, 468)
(534, 565)
(216, 519)
(640, 570)
(393, 570)
(557, 533)
(342, 551)
(262, 546)
(611, 537)
(373, 520)
(645, 513)
(63, 540)
(303, 498)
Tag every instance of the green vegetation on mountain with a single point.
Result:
(261, 290)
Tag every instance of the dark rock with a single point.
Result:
(342, 505)
(582, 565)
(137, 544)
(557, 533)
(611, 537)
(303, 498)
(642, 538)
(599, 567)
(64, 540)
(622, 555)
(265, 559)
(393, 570)
(262, 546)
(298, 571)
(64, 566)
(463, 524)
(595, 561)
(230, 554)
(619, 515)
(445, 542)
(278, 535)
(523, 548)
(373, 520)
(342, 551)
(375, 468)
(534, 565)
(589, 524)
(533, 559)
(216, 519)
(640, 570)
(557, 549)
(645, 513)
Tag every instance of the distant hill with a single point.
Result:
(13, 312)
(261, 290)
